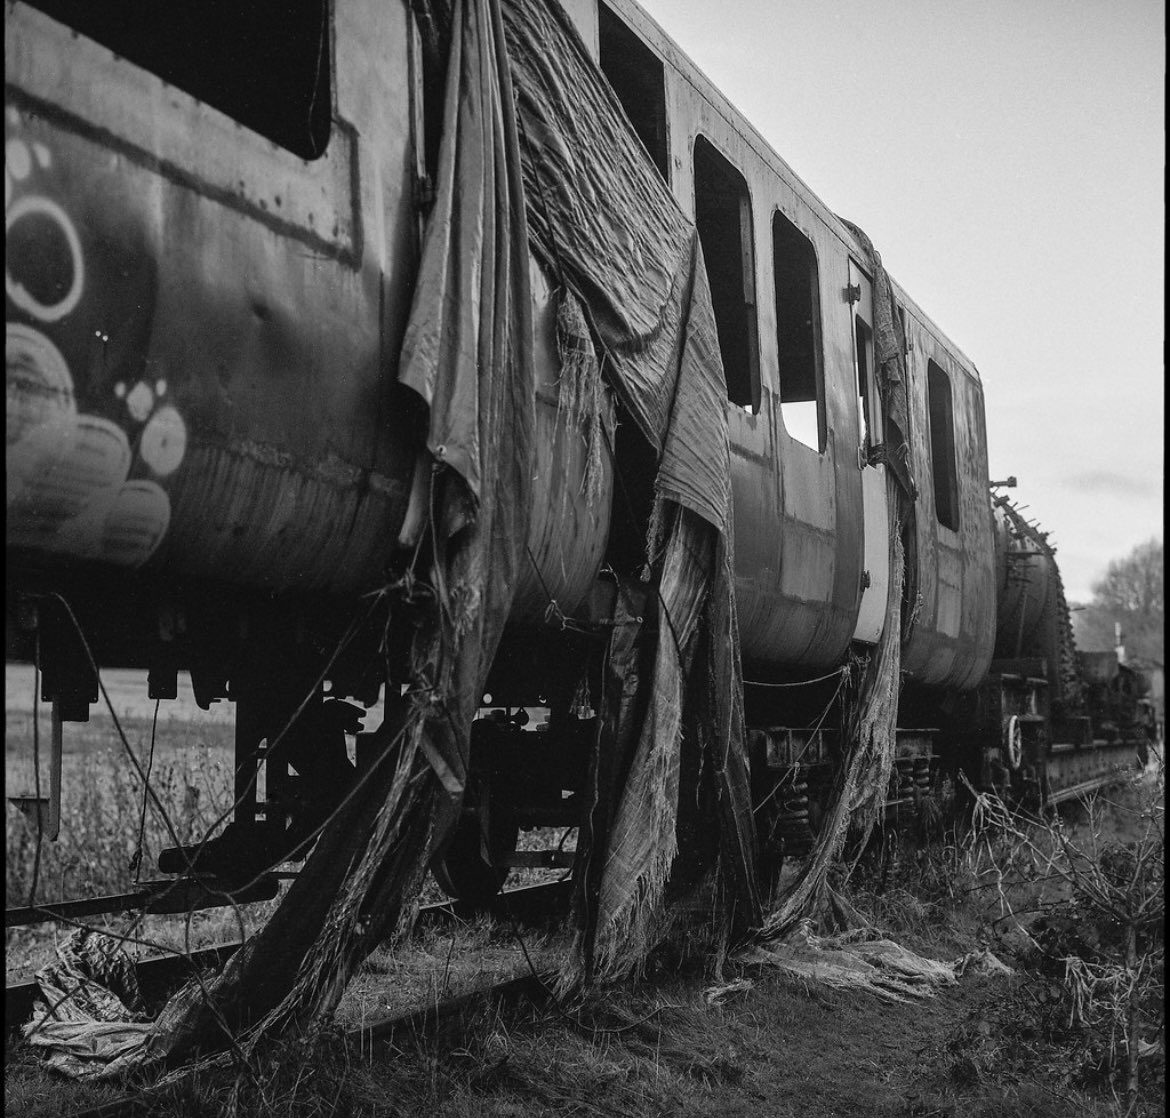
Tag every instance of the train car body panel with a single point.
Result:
(954, 634)
(798, 510)
(229, 329)
(802, 599)
(227, 378)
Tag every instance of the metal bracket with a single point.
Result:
(46, 810)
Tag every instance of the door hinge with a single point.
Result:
(852, 293)
(866, 581)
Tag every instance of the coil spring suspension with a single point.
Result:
(910, 787)
(904, 786)
(792, 820)
(922, 775)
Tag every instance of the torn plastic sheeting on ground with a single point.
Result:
(90, 994)
(863, 959)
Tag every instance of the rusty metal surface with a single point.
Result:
(954, 634)
(197, 367)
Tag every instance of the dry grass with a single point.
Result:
(777, 1047)
(102, 800)
(1075, 901)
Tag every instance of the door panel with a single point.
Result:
(876, 528)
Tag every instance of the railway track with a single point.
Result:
(531, 986)
(525, 905)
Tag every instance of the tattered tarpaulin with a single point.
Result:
(863, 959)
(893, 383)
(606, 225)
(468, 353)
(897, 449)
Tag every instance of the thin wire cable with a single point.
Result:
(844, 668)
(781, 784)
(553, 609)
(227, 897)
(114, 715)
(156, 802)
(136, 860)
(32, 891)
(163, 949)
(128, 938)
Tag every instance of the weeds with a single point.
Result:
(102, 810)
(98, 852)
(1073, 901)
(1076, 897)
(1106, 922)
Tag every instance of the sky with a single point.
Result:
(1007, 159)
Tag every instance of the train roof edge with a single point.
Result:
(659, 40)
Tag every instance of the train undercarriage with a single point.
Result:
(300, 745)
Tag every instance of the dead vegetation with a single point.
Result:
(1075, 899)
(1072, 902)
(764, 1043)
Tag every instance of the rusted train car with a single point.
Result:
(214, 218)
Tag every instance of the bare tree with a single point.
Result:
(1130, 594)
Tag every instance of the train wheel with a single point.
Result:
(1014, 742)
(468, 872)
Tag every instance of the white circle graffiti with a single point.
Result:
(27, 207)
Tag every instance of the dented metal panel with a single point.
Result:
(954, 633)
(197, 334)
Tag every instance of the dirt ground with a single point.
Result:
(989, 1047)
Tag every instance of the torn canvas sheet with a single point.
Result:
(607, 226)
(855, 960)
(864, 959)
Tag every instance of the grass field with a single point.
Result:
(106, 840)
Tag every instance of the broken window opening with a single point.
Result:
(269, 69)
(639, 80)
(798, 334)
(942, 446)
(723, 216)
(863, 347)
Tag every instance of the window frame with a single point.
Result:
(747, 273)
(940, 421)
(817, 331)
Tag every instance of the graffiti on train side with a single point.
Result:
(90, 438)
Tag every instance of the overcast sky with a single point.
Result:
(1006, 157)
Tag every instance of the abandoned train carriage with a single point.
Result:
(214, 223)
